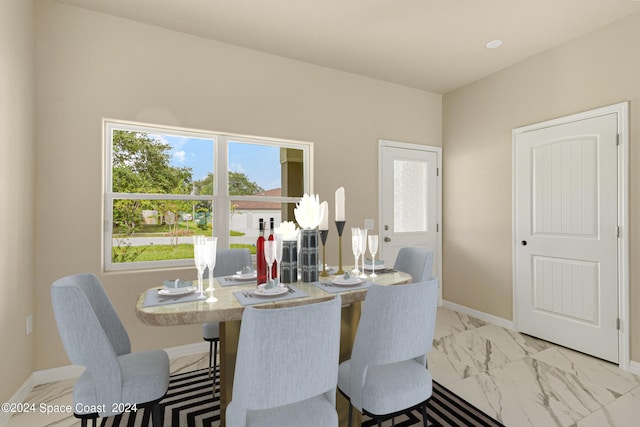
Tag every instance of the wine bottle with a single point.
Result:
(261, 262)
(274, 268)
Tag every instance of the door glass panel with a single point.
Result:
(410, 196)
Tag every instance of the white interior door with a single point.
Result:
(409, 199)
(566, 234)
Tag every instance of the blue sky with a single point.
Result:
(260, 163)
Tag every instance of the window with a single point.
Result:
(164, 185)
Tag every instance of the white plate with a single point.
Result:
(245, 276)
(176, 291)
(278, 290)
(351, 281)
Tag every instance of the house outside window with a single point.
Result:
(164, 185)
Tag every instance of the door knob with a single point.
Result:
(387, 239)
(523, 243)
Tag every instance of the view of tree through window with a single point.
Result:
(163, 191)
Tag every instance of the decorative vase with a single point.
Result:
(289, 262)
(309, 255)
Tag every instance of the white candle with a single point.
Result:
(324, 222)
(340, 204)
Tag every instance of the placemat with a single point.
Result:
(152, 297)
(247, 298)
(327, 286)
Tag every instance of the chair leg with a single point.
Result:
(215, 359)
(379, 422)
(393, 421)
(424, 414)
(156, 415)
(210, 354)
(350, 413)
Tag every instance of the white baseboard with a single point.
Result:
(73, 371)
(634, 367)
(499, 321)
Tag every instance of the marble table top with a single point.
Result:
(227, 308)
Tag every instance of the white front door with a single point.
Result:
(566, 234)
(409, 199)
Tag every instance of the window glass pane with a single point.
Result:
(156, 230)
(410, 196)
(262, 170)
(245, 219)
(161, 163)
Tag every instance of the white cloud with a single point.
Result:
(180, 156)
(236, 167)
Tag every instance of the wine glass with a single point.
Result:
(356, 247)
(269, 256)
(200, 259)
(363, 249)
(278, 239)
(212, 243)
(373, 248)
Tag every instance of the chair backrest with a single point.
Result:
(229, 261)
(418, 262)
(287, 355)
(91, 331)
(397, 324)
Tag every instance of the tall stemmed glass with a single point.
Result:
(212, 244)
(356, 247)
(200, 258)
(373, 248)
(278, 239)
(269, 256)
(363, 249)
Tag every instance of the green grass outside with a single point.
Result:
(169, 252)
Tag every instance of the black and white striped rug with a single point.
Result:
(188, 403)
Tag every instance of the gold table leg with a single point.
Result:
(349, 326)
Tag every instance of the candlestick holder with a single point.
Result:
(340, 227)
(323, 238)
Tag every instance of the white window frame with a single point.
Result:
(220, 195)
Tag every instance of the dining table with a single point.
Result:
(228, 299)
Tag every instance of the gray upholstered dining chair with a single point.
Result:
(287, 367)
(93, 336)
(387, 373)
(418, 262)
(228, 262)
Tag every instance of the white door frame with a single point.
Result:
(622, 111)
(438, 150)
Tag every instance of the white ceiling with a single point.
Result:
(435, 45)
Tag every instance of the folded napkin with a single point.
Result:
(332, 288)
(152, 298)
(177, 283)
(247, 297)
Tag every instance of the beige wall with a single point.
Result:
(17, 177)
(599, 69)
(92, 66)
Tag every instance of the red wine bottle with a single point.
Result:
(274, 268)
(261, 262)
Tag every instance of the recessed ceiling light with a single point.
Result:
(494, 44)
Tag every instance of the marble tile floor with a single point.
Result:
(517, 379)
